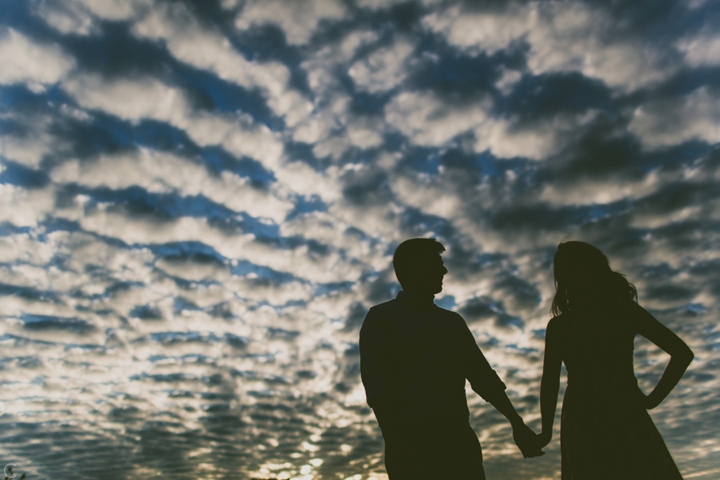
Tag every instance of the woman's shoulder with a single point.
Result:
(558, 322)
(624, 310)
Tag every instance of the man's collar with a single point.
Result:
(415, 300)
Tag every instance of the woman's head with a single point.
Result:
(583, 275)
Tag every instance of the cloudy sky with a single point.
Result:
(200, 200)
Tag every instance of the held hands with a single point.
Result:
(527, 441)
(543, 439)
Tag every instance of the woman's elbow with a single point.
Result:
(685, 355)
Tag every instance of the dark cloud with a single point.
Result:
(485, 308)
(146, 312)
(672, 293)
(28, 293)
(366, 189)
(479, 308)
(21, 176)
(523, 293)
(534, 98)
(455, 78)
(355, 316)
(48, 322)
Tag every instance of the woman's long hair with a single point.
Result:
(583, 277)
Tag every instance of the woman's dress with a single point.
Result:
(606, 433)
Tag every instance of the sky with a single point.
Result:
(200, 202)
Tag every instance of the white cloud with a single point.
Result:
(383, 69)
(694, 4)
(322, 64)
(187, 41)
(69, 17)
(229, 4)
(82, 253)
(303, 179)
(331, 127)
(591, 191)
(195, 271)
(34, 144)
(35, 65)
(644, 220)
(25, 248)
(535, 141)
(209, 50)
(135, 100)
(331, 230)
(114, 9)
(701, 49)
(79, 17)
(507, 80)
(316, 128)
(381, 4)
(364, 133)
(427, 196)
(132, 100)
(665, 123)
(378, 221)
(333, 147)
(562, 37)
(275, 294)
(439, 195)
(488, 32)
(429, 121)
(21, 207)
(377, 4)
(298, 19)
(299, 262)
(159, 172)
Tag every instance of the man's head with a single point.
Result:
(418, 265)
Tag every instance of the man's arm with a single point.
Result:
(524, 437)
(486, 383)
(375, 366)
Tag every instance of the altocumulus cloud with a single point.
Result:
(200, 200)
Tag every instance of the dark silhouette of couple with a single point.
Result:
(416, 356)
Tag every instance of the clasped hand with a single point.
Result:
(527, 441)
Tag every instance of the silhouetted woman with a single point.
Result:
(606, 432)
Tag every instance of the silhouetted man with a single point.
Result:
(414, 358)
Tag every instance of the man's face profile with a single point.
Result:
(428, 275)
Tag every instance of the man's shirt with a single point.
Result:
(418, 355)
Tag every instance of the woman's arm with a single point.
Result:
(550, 381)
(680, 354)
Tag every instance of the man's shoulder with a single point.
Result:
(392, 307)
(385, 307)
(449, 315)
(380, 311)
(392, 303)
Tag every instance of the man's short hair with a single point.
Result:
(412, 254)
